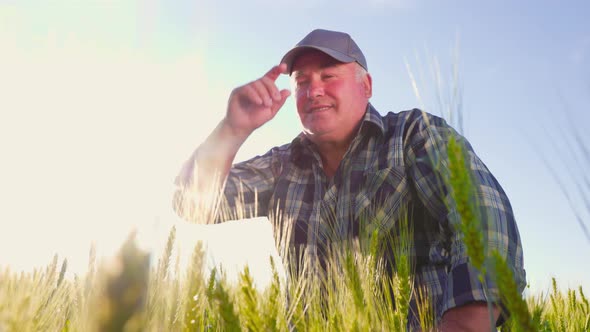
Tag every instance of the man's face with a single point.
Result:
(331, 96)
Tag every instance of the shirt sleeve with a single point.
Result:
(427, 162)
(245, 194)
(249, 187)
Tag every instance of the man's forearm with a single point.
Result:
(206, 170)
(471, 317)
(213, 158)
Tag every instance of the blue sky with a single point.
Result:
(102, 102)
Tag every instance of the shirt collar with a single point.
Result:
(372, 122)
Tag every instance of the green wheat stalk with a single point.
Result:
(463, 196)
(249, 299)
(510, 295)
(273, 313)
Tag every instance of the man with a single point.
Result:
(348, 159)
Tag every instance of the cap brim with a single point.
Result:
(289, 58)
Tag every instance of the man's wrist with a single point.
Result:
(231, 133)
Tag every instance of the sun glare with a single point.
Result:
(93, 137)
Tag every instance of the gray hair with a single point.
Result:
(360, 73)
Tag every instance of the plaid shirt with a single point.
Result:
(389, 165)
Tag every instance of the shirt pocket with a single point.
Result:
(381, 196)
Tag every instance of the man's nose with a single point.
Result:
(316, 89)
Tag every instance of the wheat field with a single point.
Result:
(350, 292)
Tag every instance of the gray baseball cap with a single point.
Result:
(338, 45)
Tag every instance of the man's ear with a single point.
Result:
(368, 83)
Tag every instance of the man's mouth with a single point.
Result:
(319, 108)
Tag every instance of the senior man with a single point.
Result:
(349, 158)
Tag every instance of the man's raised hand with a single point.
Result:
(253, 104)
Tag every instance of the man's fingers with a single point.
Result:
(276, 71)
(253, 95)
(263, 92)
(284, 95)
(271, 87)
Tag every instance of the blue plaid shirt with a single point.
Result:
(389, 165)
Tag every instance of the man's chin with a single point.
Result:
(318, 136)
(318, 129)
